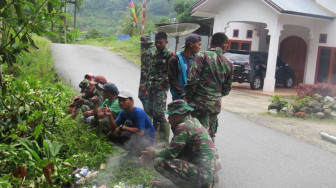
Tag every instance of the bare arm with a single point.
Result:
(133, 130)
(112, 121)
(173, 74)
(95, 106)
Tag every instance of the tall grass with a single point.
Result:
(129, 49)
(42, 109)
(38, 62)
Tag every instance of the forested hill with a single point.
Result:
(107, 16)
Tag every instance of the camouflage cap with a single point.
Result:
(146, 39)
(84, 85)
(178, 107)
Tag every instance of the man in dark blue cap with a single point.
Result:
(179, 65)
(110, 105)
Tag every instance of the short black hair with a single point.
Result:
(161, 35)
(218, 39)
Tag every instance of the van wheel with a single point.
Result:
(257, 83)
(289, 82)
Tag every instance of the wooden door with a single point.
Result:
(293, 51)
(326, 65)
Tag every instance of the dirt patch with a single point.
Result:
(254, 107)
(108, 48)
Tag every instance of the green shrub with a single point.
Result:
(300, 103)
(278, 99)
(92, 34)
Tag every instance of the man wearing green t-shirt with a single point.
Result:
(110, 105)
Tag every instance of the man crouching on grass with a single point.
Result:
(190, 160)
(139, 132)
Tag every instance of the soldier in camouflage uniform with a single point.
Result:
(190, 160)
(88, 115)
(157, 84)
(209, 79)
(146, 44)
(83, 101)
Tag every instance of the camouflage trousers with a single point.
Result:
(209, 121)
(83, 107)
(157, 101)
(145, 103)
(183, 173)
(102, 124)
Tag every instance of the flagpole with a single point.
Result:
(143, 18)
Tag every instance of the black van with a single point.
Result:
(250, 66)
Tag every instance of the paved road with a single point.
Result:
(252, 156)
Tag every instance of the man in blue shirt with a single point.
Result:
(132, 127)
(179, 65)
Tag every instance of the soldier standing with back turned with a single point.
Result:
(209, 79)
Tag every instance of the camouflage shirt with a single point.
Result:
(191, 142)
(209, 79)
(145, 67)
(87, 97)
(158, 72)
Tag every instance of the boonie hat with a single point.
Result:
(191, 38)
(125, 94)
(109, 87)
(178, 107)
(84, 85)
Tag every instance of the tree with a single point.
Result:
(20, 19)
(183, 9)
(164, 20)
(128, 25)
(77, 4)
(160, 8)
(92, 34)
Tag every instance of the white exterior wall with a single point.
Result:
(254, 11)
(328, 4)
(243, 28)
(282, 25)
(294, 30)
(307, 28)
(316, 27)
(263, 45)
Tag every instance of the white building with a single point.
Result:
(301, 32)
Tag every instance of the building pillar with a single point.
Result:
(310, 68)
(269, 81)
